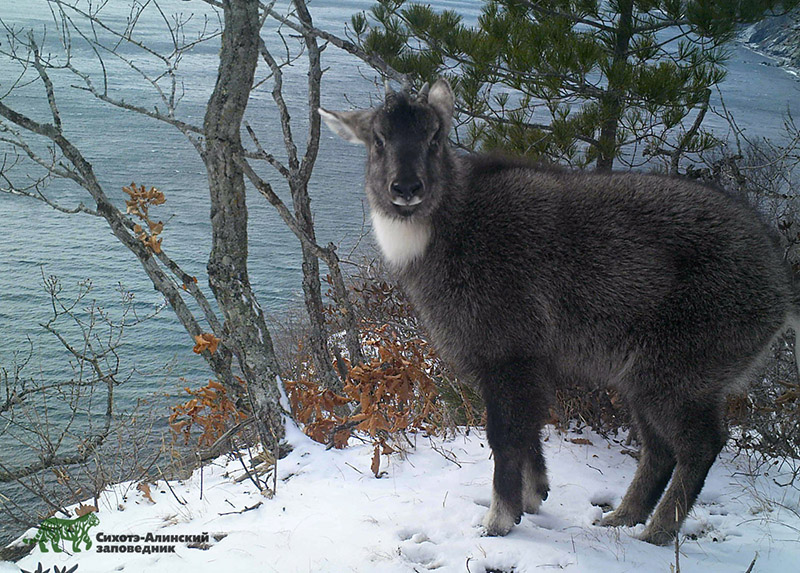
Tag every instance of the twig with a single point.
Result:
(172, 491)
(253, 478)
(752, 563)
(251, 508)
(355, 468)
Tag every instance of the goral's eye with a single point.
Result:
(378, 141)
(434, 142)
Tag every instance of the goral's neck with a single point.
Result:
(402, 241)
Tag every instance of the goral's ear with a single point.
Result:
(352, 126)
(440, 98)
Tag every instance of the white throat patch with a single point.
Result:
(401, 241)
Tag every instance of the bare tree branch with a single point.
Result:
(262, 154)
(119, 224)
(374, 61)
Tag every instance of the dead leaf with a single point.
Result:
(376, 460)
(145, 489)
(205, 341)
(82, 510)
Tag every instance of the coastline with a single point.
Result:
(781, 62)
(777, 38)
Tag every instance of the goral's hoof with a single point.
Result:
(498, 523)
(616, 519)
(659, 537)
(532, 504)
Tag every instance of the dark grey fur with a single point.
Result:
(528, 277)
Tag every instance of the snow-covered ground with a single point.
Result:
(331, 514)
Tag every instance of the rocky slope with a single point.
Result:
(779, 37)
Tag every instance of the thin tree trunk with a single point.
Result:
(320, 350)
(312, 289)
(245, 330)
(611, 103)
(352, 336)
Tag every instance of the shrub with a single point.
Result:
(210, 409)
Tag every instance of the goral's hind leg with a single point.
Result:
(699, 436)
(516, 406)
(656, 462)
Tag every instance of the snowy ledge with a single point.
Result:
(331, 514)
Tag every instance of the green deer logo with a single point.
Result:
(54, 530)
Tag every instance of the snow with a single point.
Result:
(284, 399)
(331, 514)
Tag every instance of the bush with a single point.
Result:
(402, 387)
(765, 418)
(209, 409)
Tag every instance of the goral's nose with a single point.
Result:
(406, 190)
